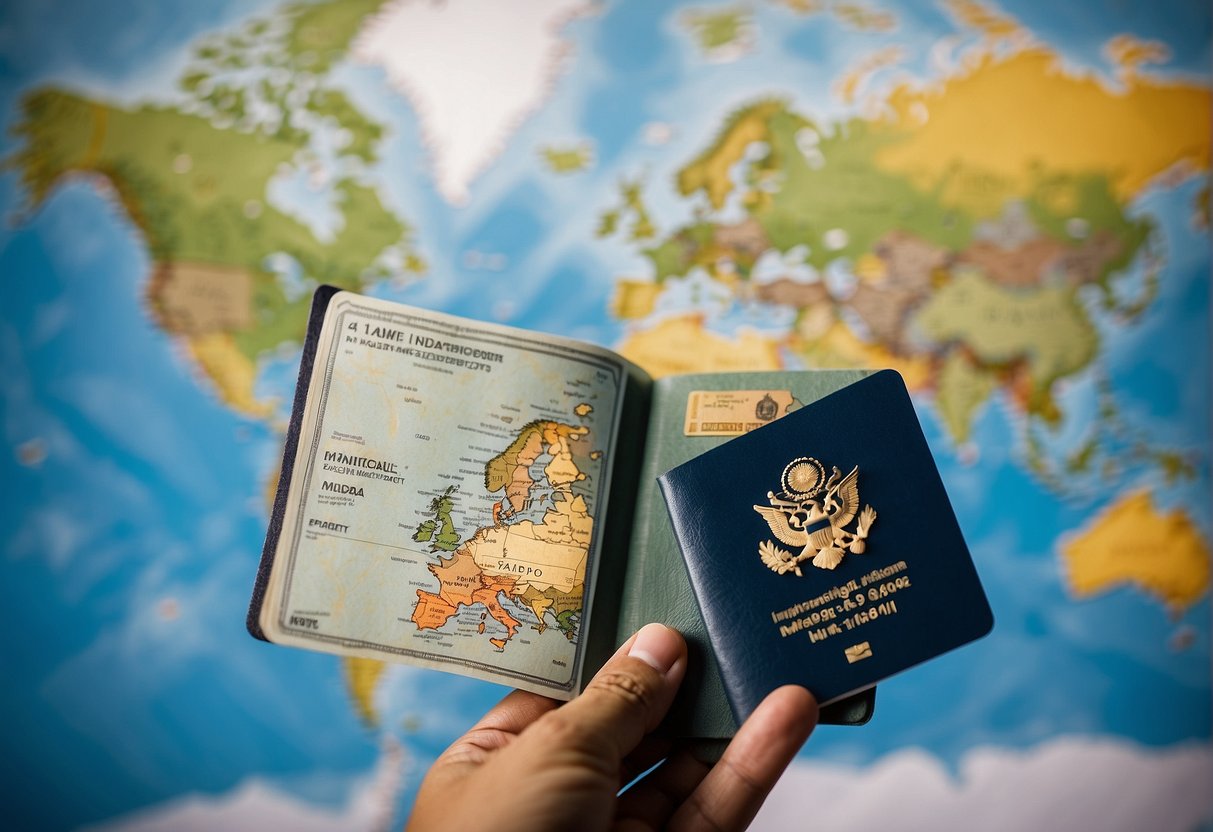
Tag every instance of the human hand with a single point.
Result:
(532, 763)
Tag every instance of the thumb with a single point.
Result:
(625, 700)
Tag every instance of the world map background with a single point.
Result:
(141, 443)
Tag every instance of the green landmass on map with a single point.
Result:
(567, 621)
(195, 183)
(632, 205)
(439, 530)
(716, 29)
(193, 180)
(970, 269)
(563, 159)
(975, 253)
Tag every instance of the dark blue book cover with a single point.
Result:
(823, 549)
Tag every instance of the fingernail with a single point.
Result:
(657, 646)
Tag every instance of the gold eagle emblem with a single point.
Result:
(811, 513)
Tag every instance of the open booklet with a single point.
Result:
(483, 500)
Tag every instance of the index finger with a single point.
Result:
(516, 711)
(494, 731)
(735, 788)
(625, 700)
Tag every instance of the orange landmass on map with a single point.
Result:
(488, 597)
(431, 611)
(461, 583)
(458, 578)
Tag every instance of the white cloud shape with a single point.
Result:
(1068, 783)
(255, 806)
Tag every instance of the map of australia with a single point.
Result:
(537, 564)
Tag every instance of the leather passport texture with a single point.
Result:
(823, 549)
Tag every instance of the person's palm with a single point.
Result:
(534, 764)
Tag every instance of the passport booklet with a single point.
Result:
(481, 499)
(823, 549)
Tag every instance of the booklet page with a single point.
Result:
(447, 495)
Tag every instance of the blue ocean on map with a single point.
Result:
(136, 478)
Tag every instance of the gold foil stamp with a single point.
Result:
(734, 412)
(858, 652)
(811, 513)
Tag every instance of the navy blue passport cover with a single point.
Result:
(911, 594)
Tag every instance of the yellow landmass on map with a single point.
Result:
(710, 171)
(682, 345)
(270, 493)
(1128, 54)
(542, 555)
(232, 372)
(1132, 543)
(567, 522)
(991, 23)
(562, 471)
(848, 85)
(634, 299)
(871, 269)
(839, 348)
(362, 677)
(971, 135)
(864, 18)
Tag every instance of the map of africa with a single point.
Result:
(1006, 202)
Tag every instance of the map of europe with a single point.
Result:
(541, 565)
(1008, 202)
